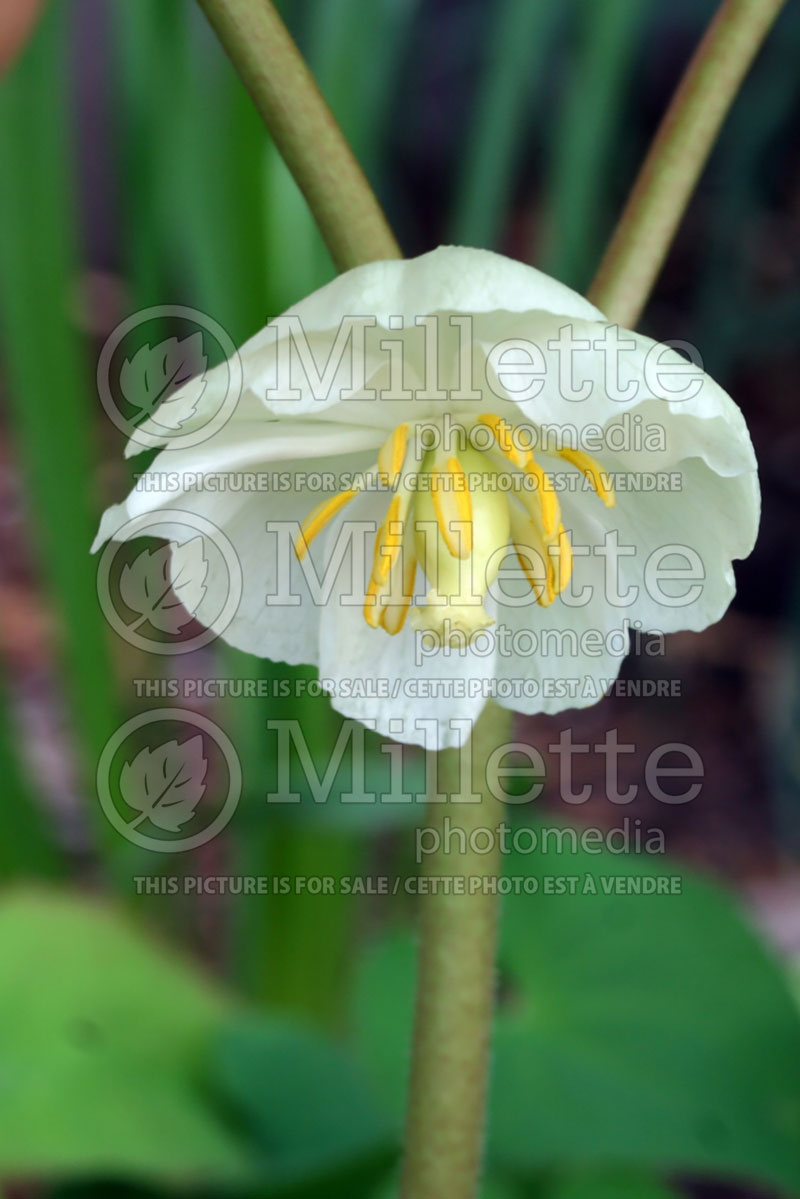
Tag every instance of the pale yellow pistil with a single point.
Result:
(447, 515)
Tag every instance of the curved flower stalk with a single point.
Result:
(470, 486)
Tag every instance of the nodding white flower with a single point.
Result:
(530, 483)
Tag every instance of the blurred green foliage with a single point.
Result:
(621, 1037)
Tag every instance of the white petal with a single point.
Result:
(440, 689)
(238, 531)
(578, 650)
(166, 491)
(562, 656)
(448, 279)
(188, 413)
(581, 389)
(241, 447)
(721, 440)
(452, 279)
(713, 520)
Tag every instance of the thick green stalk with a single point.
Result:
(305, 131)
(677, 157)
(456, 983)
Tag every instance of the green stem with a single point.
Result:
(455, 988)
(677, 157)
(304, 129)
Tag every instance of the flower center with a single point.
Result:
(457, 514)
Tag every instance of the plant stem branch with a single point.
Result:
(456, 983)
(313, 146)
(677, 157)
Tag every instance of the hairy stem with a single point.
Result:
(304, 129)
(677, 156)
(455, 988)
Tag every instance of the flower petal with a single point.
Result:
(188, 482)
(417, 686)
(712, 521)
(545, 655)
(564, 656)
(448, 279)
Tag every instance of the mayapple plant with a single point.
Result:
(518, 484)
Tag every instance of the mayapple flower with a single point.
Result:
(511, 487)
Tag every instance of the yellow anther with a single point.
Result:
(392, 454)
(453, 507)
(541, 584)
(593, 471)
(523, 459)
(533, 552)
(391, 587)
(395, 613)
(373, 613)
(388, 541)
(499, 427)
(564, 561)
(471, 526)
(548, 500)
(518, 455)
(319, 517)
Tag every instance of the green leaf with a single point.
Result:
(102, 1039)
(306, 967)
(360, 100)
(656, 1023)
(650, 1032)
(382, 1016)
(345, 777)
(28, 846)
(585, 139)
(144, 44)
(49, 384)
(518, 41)
(312, 1115)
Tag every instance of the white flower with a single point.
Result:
(536, 485)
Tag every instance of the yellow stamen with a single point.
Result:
(391, 455)
(564, 560)
(319, 517)
(502, 435)
(541, 586)
(387, 541)
(395, 613)
(390, 589)
(522, 457)
(452, 504)
(471, 528)
(533, 551)
(373, 612)
(593, 471)
(548, 500)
